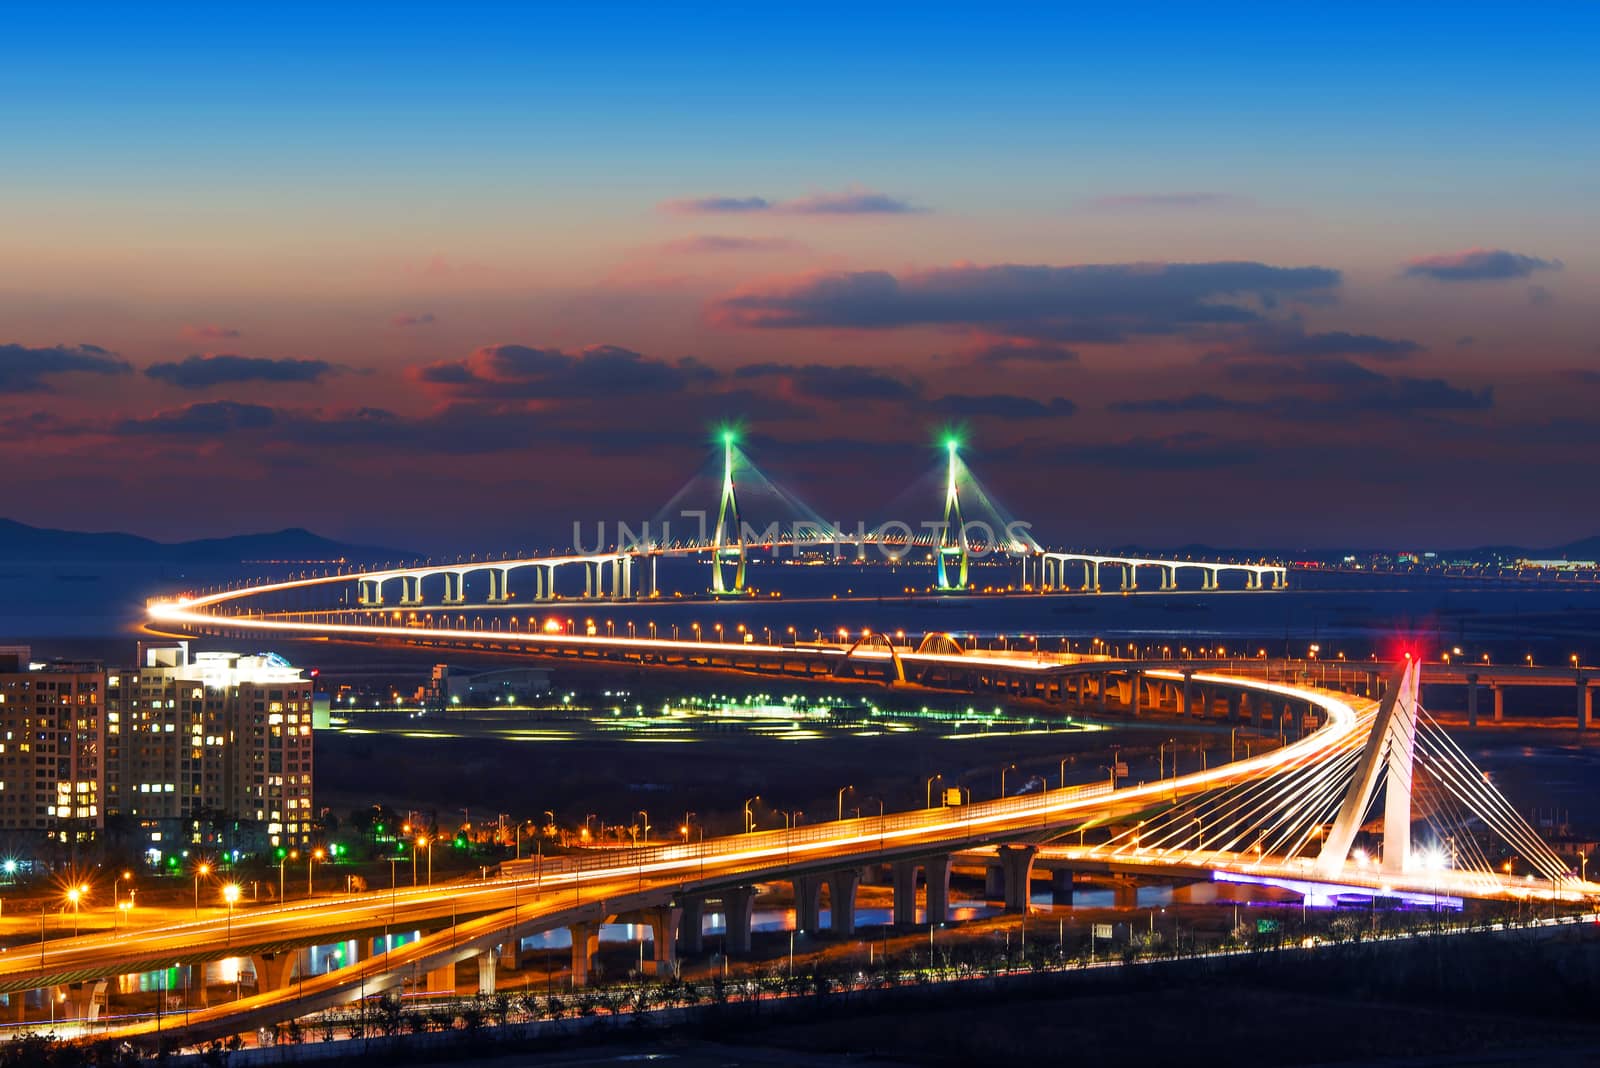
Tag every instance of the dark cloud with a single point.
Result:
(521, 371)
(206, 332)
(1539, 296)
(859, 202)
(24, 369)
(1164, 201)
(828, 382)
(1003, 406)
(201, 372)
(1110, 300)
(701, 244)
(1343, 391)
(849, 202)
(208, 419)
(1477, 265)
(716, 205)
(1336, 343)
(424, 319)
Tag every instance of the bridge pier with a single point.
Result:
(738, 907)
(499, 585)
(1061, 886)
(842, 901)
(1585, 705)
(369, 592)
(1472, 700)
(276, 971)
(455, 587)
(1124, 894)
(1499, 703)
(585, 945)
(664, 921)
(511, 954)
(691, 925)
(807, 903)
(1134, 693)
(1016, 862)
(441, 980)
(487, 962)
(905, 893)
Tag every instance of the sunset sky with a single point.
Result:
(453, 278)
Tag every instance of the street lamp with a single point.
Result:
(230, 894)
(749, 819)
(293, 854)
(423, 842)
(929, 791)
(126, 876)
(201, 869)
(842, 791)
(311, 858)
(1008, 767)
(74, 897)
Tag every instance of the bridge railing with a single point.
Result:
(786, 840)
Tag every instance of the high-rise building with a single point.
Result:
(52, 723)
(210, 750)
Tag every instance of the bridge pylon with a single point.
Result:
(953, 534)
(1391, 749)
(729, 548)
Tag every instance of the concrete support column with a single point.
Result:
(691, 925)
(1472, 700)
(1094, 581)
(842, 901)
(511, 954)
(1100, 682)
(487, 960)
(739, 906)
(454, 588)
(1233, 706)
(275, 972)
(1135, 689)
(441, 980)
(905, 893)
(994, 882)
(585, 944)
(197, 985)
(664, 922)
(499, 586)
(1017, 863)
(1125, 894)
(936, 870)
(1583, 703)
(1061, 886)
(1499, 702)
(807, 903)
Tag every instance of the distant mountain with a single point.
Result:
(20, 542)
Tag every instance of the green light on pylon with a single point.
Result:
(953, 538)
(728, 520)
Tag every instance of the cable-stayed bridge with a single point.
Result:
(627, 568)
(1293, 815)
